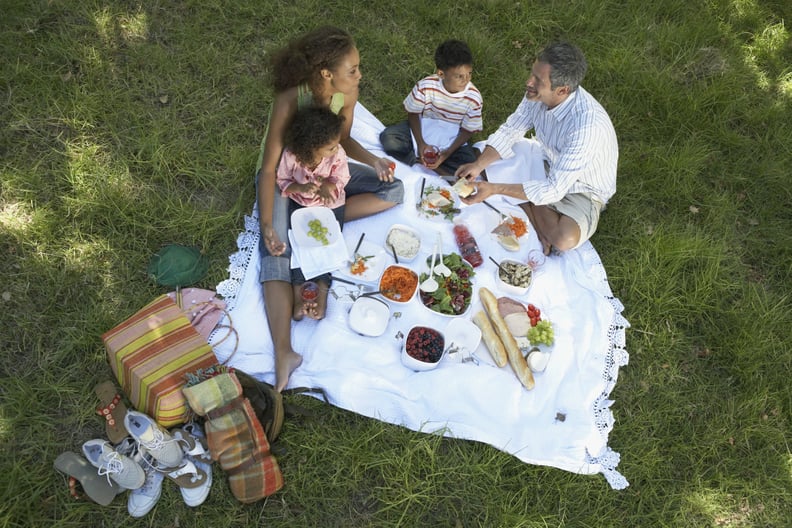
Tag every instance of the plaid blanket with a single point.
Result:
(236, 438)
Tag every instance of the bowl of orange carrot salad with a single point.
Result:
(398, 284)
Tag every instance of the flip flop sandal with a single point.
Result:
(113, 409)
(78, 469)
(187, 475)
(192, 444)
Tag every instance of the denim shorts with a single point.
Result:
(363, 179)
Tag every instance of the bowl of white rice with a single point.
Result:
(404, 240)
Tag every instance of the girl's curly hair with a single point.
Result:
(312, 128)
(304, 59)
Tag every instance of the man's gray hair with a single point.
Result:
(567, 64)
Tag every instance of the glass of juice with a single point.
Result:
(309, 291)
(430, 154)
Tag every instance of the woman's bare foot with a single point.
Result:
(285, 363)
(298, 310)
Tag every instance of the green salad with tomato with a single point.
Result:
(454, 294)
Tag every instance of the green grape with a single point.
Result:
(318, 231)
(542, 333)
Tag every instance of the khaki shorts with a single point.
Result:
(584, 209)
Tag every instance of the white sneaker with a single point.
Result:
(197, 495)
(142, 500)
(153, 439)
(192, 441)
(122, 469)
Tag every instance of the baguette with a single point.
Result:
(491, 339)
(516, 359)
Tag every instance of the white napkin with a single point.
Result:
(313, 261)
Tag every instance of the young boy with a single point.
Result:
(443, 111)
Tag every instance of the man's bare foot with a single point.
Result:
(285, 364)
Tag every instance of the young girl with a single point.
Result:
(313, 171)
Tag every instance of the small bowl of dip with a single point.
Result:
(404, 240)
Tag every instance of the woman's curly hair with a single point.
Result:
(304, 59)
(312, 128)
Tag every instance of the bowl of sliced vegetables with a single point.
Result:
(455, 291)
(398, 284)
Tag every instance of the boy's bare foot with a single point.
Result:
(285, 363)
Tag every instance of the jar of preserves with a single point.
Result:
(467, 245)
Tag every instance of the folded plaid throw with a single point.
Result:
(236, 438)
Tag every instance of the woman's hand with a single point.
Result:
(272, 242)
(385, 169)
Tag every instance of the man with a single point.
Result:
(578, 144)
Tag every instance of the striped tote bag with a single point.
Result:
(151, 352)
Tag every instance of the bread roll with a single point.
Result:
(463, 188)
(491, 339)
(516, 359)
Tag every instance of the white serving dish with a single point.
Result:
(374, 265)
(369, 316)
(462, 335)
(416, 364)
(406, 257)
(509, 288)
(439, 278)
(299, 224)
(406, 299)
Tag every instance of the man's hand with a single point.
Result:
(272, 242)
(469, 171)
(483, 191)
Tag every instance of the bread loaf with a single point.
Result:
(515, 357)
(491, 339)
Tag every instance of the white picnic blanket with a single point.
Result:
(563, 422)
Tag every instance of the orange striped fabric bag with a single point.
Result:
(151, 352)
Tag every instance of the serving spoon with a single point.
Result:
(441, 268)
(430, 284)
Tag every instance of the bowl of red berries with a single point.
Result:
(423, 348)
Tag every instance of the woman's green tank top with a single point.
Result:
(304, 99)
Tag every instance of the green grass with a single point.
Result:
(128, 125)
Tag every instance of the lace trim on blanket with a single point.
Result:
(616, 356)
(247, 243)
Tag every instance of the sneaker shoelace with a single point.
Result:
(113, 465)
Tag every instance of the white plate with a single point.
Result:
(374, 265)
(431, 213)
(494, 219)
(299, 222)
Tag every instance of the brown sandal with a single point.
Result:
(113, 409)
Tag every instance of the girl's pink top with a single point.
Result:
(334, 169)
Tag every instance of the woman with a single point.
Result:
(322, 68)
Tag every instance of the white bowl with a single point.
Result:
(405, 298)
(510, 288)
(404, 256)
(369, 316)
(462, 339)
(416, 364)
(440, 279)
